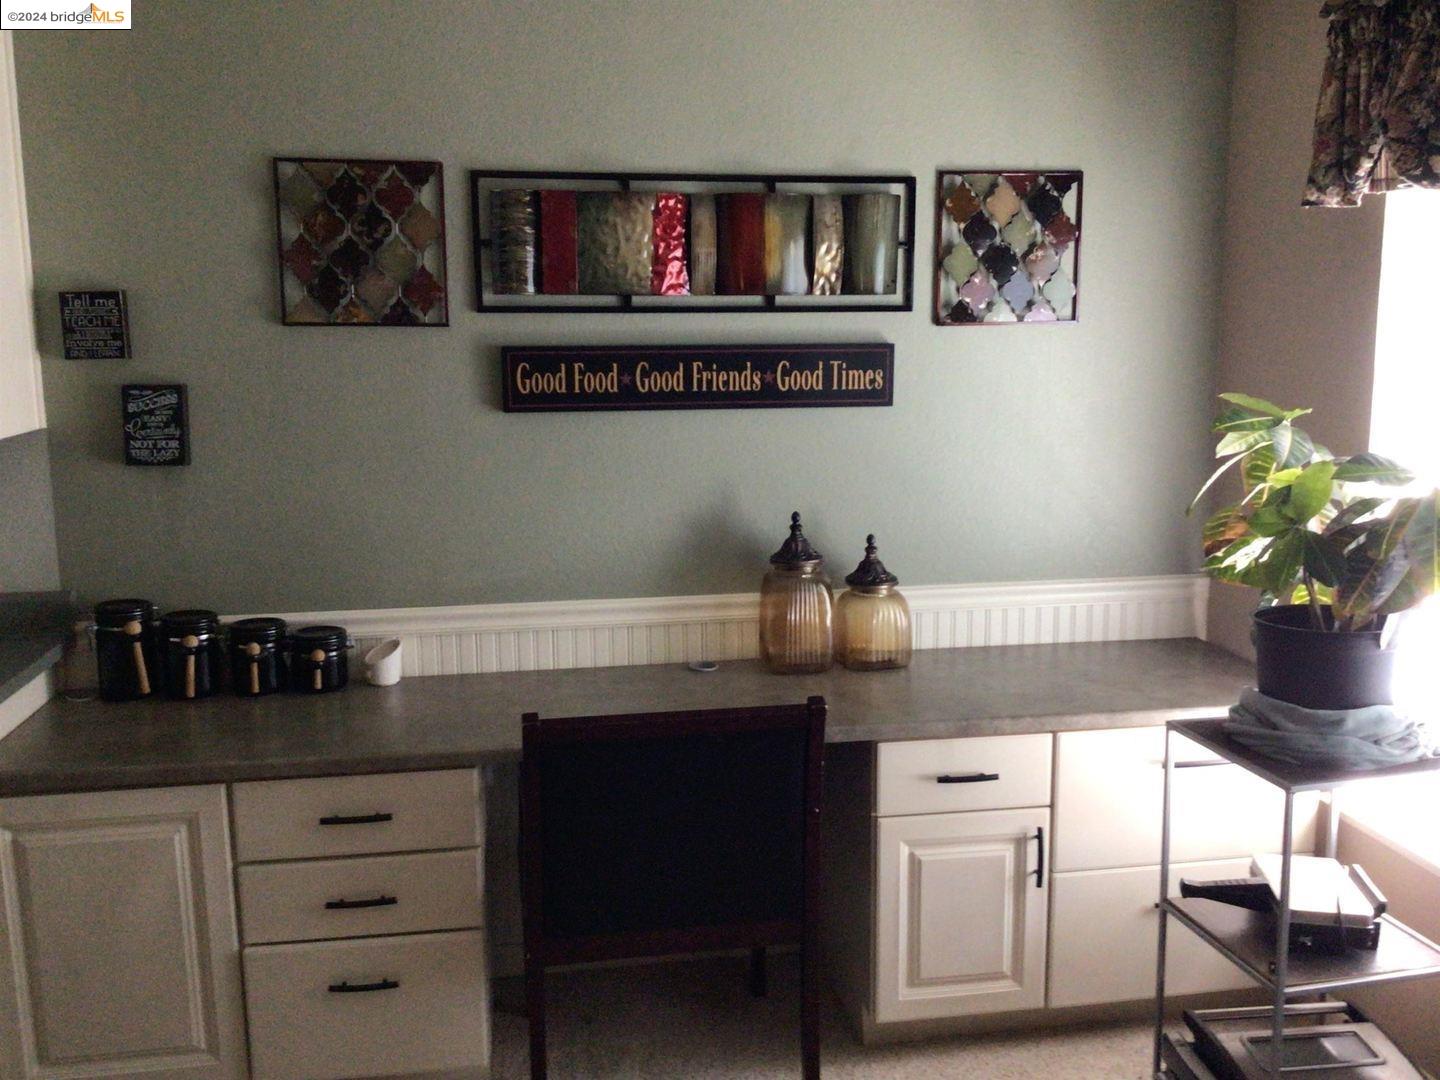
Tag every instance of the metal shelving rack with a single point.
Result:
(1256, 942)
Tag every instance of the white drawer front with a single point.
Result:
(381, 894)
(990, 773)
(436, 1018)
(356, 815)
(1108, 795)
(1103, 937)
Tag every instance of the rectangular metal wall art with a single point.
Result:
(1007, 247)
(591, 242)
(681, 377)
(361, 242)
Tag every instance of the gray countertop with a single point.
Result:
(457, 720)
(33, 629)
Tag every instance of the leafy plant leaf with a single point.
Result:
(1223, 528)
(1376, 566)
(1270, 521)
(1372, 469)
(1241, 420)
(1240, 442)
(1280, 569)
(1322, 558)
(1254, 404)
(1292, 446)
(1323, 594)
(1211, 482)
(1311, 491)
(1259, 466)
(1352, 513)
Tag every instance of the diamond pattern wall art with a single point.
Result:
(361, 242)
(1007, 247)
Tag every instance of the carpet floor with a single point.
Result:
(694, 1020)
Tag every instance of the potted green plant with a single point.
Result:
(1334, 548)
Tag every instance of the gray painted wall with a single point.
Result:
(1301, 285)
(369, 468)
(28, 561)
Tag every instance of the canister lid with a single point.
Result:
(116, 613)
(264, 631)
(796, 549)
(329, 638)
(871, 572)
(190, 621)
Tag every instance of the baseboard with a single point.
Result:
(677, 629)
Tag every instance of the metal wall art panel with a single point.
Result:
(1007, 247)
(692, 242)
(360, 242)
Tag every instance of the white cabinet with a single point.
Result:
(1103, 937)
(118, 952)
(960, 914)
(1108, 796)
(22, 406)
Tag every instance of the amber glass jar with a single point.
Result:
(872, 619)
(796, 609)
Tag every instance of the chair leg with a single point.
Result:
(758, 982)
(535, 1010)
(809, 1013)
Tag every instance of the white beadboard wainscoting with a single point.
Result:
(677, 629)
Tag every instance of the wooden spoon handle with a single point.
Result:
(318, 656)
(191, 643)
(142, 674)
(253, 651)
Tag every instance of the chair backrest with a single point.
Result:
(660, 832)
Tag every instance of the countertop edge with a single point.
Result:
(45, 654)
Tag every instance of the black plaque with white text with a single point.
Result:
(157, 424)
(710, 377)
(95, 325)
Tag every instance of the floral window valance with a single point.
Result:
(1377, 126)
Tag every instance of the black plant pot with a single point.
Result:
(1319, 669)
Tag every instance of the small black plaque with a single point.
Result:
(157, 424)
(711, 377)
(95, 325)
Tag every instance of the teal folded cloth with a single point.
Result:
(1370, 738)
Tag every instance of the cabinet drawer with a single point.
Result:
(1108, 798)
(356, 815)
(428, 1012)
(339, 898)
(937, 776)
(1104, 934)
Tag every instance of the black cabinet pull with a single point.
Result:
(1039, 838)
(356, 819)
(967, 778)
(345, 905)
(363, 988)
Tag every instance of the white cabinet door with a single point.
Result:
(960, 921)
(1108, 796)
(1103, 937)
(21, 405)
(118, 951)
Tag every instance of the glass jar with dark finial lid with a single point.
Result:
(872, 619)
(796, 608)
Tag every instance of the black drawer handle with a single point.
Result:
(363, 988)
(1039, 838)
(356, 819)
(967, 778)
(345, 905)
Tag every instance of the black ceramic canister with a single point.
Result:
(257, 656)
(193, 652)
(319, 659)
(126, 657)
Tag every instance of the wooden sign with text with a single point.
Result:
(157, 424)
(710, 377)
(95, 325)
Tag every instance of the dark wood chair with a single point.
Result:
(657, 834)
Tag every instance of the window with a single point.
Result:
(1404, 426)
